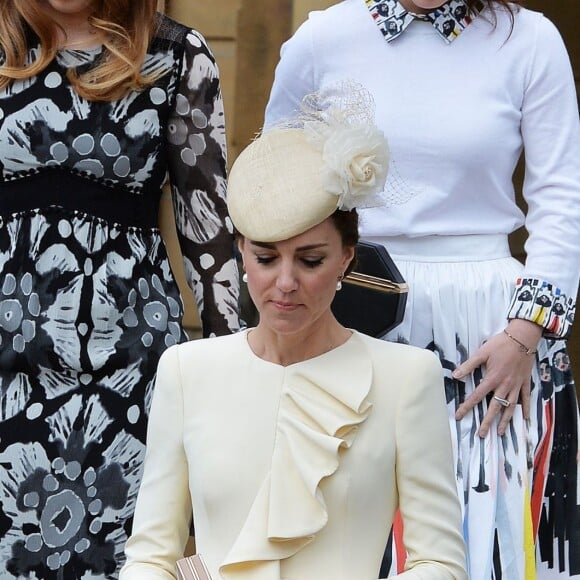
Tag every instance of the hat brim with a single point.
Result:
(275, 189)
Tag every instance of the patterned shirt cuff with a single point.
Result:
(540, 302)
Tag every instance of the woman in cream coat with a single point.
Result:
(282, 439)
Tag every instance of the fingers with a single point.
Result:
(504, 406)
(507, 378)
(466, 368)
(502, 403)
(525, 396)
(473, 399)
(506, 416)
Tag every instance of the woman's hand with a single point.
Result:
(508, 371)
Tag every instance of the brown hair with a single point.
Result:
(510, 5)
(346, 222)
(472, 4)
(126, 27)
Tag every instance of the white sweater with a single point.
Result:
(457, 117)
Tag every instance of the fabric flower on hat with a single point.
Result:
(329, 156)
(356, 159)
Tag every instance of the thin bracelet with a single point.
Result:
(522, 346)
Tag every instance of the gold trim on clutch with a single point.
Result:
(374, 283)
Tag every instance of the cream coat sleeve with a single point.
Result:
(163, 510)
(428, 498)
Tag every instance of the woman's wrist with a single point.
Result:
(525, 334)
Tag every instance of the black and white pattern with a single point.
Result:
(449, 19)
(88, 302)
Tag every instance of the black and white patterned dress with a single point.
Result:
(87, 299)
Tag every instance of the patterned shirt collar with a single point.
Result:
(449, 20)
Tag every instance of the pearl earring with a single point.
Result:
(339, 283)
(245, 278)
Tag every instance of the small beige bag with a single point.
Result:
(192, 568)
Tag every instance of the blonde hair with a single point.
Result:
(126, 27)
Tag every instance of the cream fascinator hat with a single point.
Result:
(294, 175)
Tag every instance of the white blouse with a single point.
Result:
(457, 116)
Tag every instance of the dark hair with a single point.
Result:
(346, 222)
(510, 5)
(471, 4)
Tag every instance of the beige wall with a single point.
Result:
(301, 8)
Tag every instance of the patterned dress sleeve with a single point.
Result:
(197, 172)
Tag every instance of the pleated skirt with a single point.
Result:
(521, 518)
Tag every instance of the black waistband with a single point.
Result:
(55, 187)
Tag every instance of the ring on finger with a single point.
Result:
(502, 402)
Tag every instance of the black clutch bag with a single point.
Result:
(373, 297)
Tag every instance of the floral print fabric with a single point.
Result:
(88, 302)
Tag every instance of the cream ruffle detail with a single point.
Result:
(323, 401)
